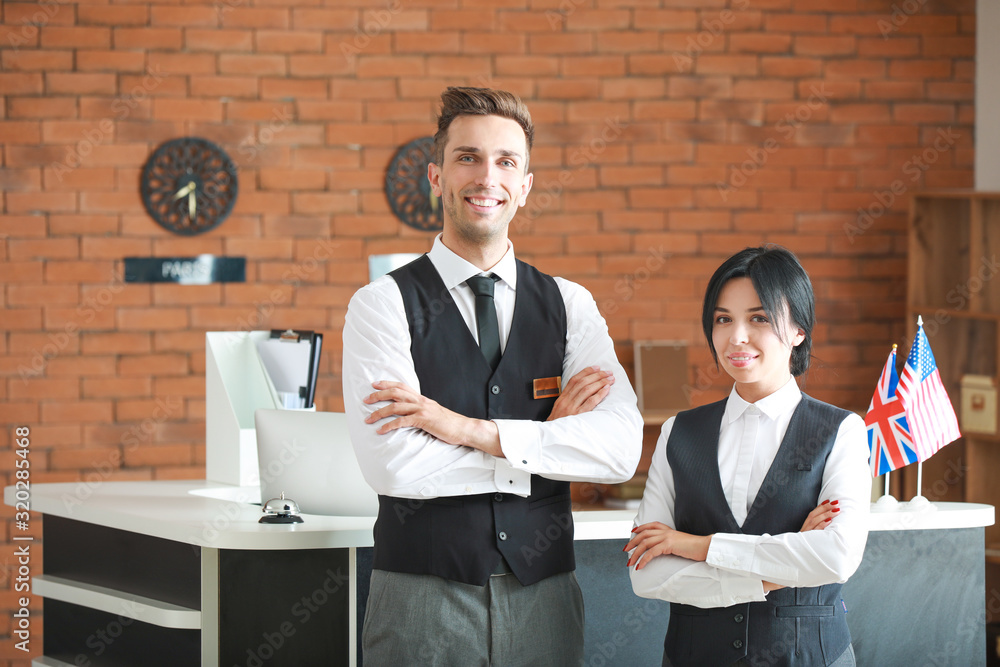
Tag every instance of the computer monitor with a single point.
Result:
(308, 456)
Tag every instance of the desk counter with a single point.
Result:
(187, 575)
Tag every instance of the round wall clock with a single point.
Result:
(189, 185)
(407, 189)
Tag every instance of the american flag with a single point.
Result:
(888, 433)
(928, 409)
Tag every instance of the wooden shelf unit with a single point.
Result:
(954, 284)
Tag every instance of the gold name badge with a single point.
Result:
(547, 387)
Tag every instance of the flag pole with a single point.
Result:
(918, 502)
(886, 503)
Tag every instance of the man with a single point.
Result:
(455, 412)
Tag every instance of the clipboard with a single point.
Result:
(291, 361)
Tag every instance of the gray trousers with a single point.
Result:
(423, 620)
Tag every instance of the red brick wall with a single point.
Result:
(669, 135)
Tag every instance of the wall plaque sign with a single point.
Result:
(200, 270)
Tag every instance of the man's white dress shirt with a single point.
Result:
(601, 446)
(738, 564)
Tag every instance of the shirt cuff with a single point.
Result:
(511, 480)
(738, 553)
(731, 552)
(733, 555)
(520, 442)
(737, 589)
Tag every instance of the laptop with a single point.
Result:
(308, 456)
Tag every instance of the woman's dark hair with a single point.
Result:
(780, 282)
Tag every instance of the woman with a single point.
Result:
(755, 511)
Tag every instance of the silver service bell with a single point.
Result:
(280, 510)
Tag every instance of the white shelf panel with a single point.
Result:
(137, 607)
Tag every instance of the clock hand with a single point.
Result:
(192, 205)
(185, 190)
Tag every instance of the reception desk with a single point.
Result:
(181, 573)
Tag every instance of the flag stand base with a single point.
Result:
(885, 504)
(920, 504)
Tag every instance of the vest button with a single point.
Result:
(502, 535)
(738, 618)
(738, 643)
(495, 389)
(498, 497)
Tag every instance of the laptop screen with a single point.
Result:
(308, 456)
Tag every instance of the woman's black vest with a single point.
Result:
(794, 626)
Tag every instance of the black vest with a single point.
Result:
(794, 626)
(462, 538)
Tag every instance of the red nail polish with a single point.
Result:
(836, 509)
(835, 502)
(827, 520)
(824, 502)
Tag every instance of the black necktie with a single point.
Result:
(486, 317)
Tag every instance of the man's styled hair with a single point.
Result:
(780, 283)
(459, 101)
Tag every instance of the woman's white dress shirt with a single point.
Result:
(738, 564)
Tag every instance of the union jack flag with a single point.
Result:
(889, 438)
(928, 409)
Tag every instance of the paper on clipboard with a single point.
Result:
(288, 362)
